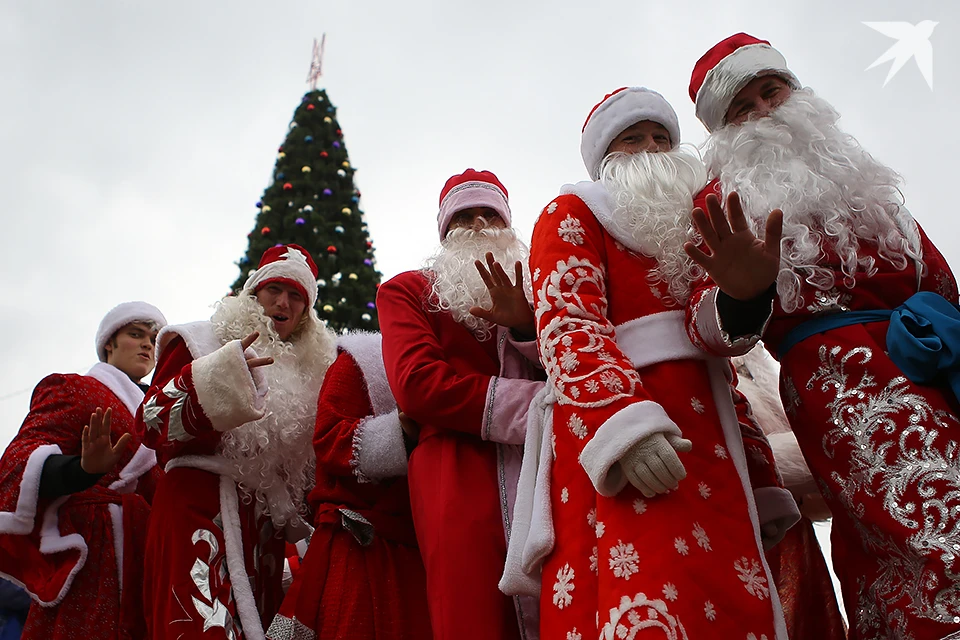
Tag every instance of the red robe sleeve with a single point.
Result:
(426, 386)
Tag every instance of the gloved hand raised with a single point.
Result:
(653, 466)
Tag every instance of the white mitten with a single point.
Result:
(652, 465)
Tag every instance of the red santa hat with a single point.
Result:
(618, 110)
(120, 316)
(470, 189)
(287, 263)
(726, 69)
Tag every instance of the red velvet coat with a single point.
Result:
(470, 398)
(80, 556)
(883, 449)
(362, 577)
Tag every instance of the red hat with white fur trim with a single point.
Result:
(287, 263)
(470, 189)
(618, 110)
(726, 69)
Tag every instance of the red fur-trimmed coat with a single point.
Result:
(470, 398)
(362, 577)
(688, 564)
(884, 451)
(214, 566)
(80, 556)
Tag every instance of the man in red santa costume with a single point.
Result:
(611, 281)
(859, 307)
(231, 412)
(463, 374)
(75, 487)
(362, 577)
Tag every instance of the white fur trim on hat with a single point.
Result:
(722, 83)
(624, 109)
(122, 315)
(475, 193)
(293, 267)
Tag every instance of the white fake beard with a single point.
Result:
(455, 283)
(833, 193)
(653, 198)
(273, 457)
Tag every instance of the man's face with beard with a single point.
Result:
(477, 218)
(758, 99)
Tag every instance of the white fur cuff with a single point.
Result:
(230, 394)
(601, 456)
(381, 448)
(711, 331)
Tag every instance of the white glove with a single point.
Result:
(652, 465)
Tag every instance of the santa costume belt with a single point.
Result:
(923, 338)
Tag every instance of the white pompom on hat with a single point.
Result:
(617, 111)
(120, 316)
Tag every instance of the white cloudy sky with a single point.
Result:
(136, 137)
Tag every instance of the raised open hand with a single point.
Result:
(510, 306)
(97, 454)
(253, 362)
(742, 265)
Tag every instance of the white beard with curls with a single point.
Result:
(833, 194)
(455, 283)
(653, 196)
(273, 458)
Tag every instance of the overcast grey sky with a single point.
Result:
(136, 137)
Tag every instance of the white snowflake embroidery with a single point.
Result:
(607, 357)
(577, 426)
(751, 575)
(611, 381)
(709, 611)
(564, 495)
(574, 391)
(566, 341)
(571, 230)
(551, 208)
(595, 561)
(563, 587)
(569, 360)
(574, 635)
(681, 546)
(592, 518)
(536, 274)
(720, 452)
(697, 405)
(599, 530)
(592, 386)
(670, 592)
(619, 246)
(705, 491)
(624, 560)
(701, 536)
(639, 506)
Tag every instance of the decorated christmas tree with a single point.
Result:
(313, 202)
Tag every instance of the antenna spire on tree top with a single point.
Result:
(316, 64)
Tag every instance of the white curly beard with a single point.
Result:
(273, 457)
(653, 197)
(833, 194)
(455, 283)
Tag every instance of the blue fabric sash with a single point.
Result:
(923, 338)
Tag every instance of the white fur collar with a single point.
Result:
(598, 199)
(119, 383)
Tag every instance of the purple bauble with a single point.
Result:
(299, 221)
(370, 305)
(368, 262)
(259, 204)
(327, 192)
(336, 145)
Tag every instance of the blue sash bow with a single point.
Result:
(923, 338)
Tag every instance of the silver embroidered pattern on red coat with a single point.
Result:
(893, 460)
